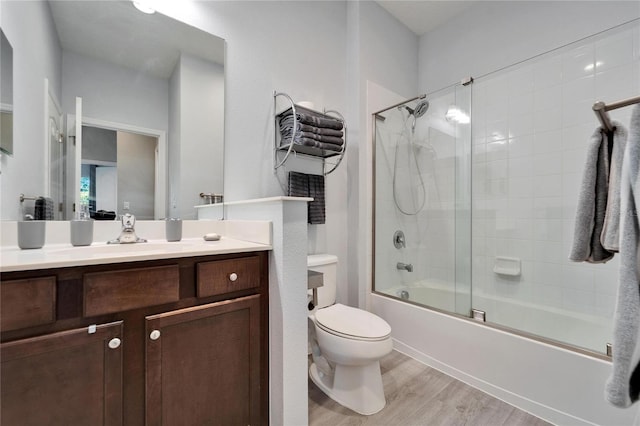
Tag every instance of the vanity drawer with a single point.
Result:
(108, 292)
(225, 276)
(27, 303)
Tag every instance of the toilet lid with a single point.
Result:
(352, 322)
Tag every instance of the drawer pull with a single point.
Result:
(233, 276)
(155, 335)
(114, 343)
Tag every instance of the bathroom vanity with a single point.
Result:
(158, 338)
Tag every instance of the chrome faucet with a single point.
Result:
(128, 232)
(406, 266)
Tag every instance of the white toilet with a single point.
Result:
(346, 344)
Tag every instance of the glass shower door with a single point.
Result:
(422, 202)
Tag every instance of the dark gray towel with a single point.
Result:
(286, 133)
(312, 142)
(316, 207)
(313, 118)
(287, 121)
(305, 185)
(43, 209)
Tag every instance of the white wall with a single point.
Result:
(113, 93)
(506, 32)
(36, 56)
(199, 97)
(387, 58)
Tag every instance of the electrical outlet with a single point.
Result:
(125, 205)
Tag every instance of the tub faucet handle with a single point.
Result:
(398, 240)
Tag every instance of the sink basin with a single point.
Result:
(100, 249)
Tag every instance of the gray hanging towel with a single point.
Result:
(592, 203)
(623, 386)
(316, 207)
(43, 209)
(610, 237)
(305, 185)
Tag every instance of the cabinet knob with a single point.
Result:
(115, 343)
(155, 335)
(233, 276)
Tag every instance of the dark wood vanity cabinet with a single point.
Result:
(163, 342)
(203, 364)
(66, 378)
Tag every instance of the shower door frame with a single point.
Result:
(464, 82)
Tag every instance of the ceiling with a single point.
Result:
(102, 29)
(422, 16)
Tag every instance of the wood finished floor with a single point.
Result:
(422, 396)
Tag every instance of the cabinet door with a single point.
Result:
(203, 365)
(65, 378)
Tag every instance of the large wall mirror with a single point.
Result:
(135, 119)
(6, 95)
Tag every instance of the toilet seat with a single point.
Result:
(352, 323)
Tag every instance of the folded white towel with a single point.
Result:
(623, 386)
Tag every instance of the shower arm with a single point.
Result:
(400, 103)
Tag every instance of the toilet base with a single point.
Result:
(358, 388)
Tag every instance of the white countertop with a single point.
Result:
(13, 258)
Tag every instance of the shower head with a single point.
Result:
(420, 109)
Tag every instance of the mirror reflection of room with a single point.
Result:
(118, 173)
(129, 71)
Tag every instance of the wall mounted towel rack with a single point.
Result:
(600, 108)
(282, 152)
(27, 197)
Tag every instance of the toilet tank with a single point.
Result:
(327, 264)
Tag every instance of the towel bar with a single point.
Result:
(26, 197)
(600, 109)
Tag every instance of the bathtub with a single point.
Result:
(583, 331)
(560, 385)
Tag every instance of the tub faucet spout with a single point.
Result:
(406, 266)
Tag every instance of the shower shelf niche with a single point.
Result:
(282, 152)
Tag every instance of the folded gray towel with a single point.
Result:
(312, 142)
(286, 133)
(305, 185)
(610, 237)
(623, 386)
(313, 118)
(288, 122)
(592, 203)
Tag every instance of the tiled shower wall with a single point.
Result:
(531, 124)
